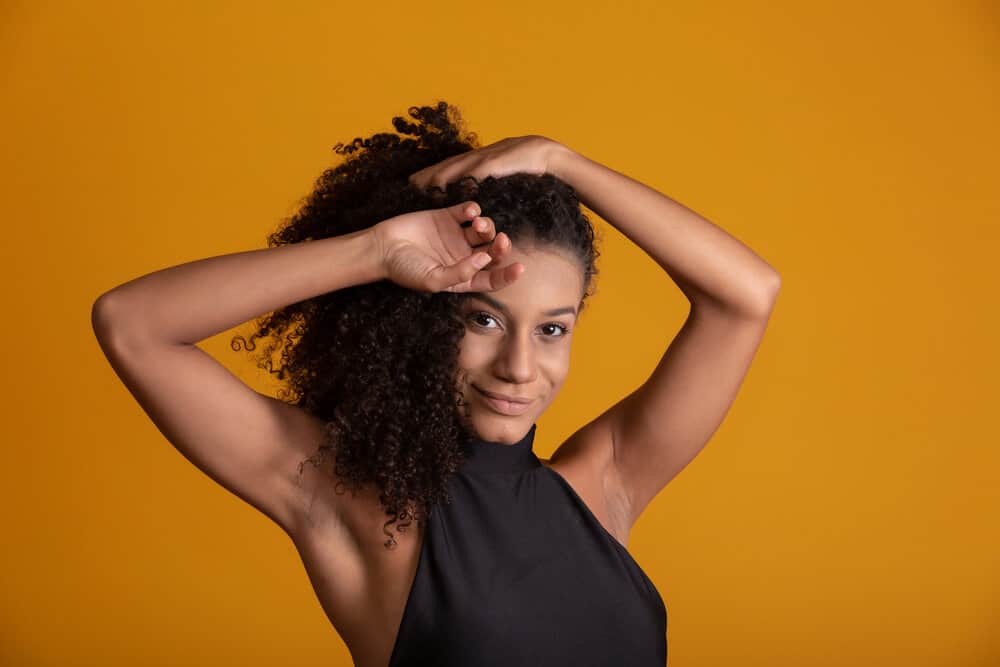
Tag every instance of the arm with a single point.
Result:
(246, 441)
(659, 428)
(711, 267)
(191, 302)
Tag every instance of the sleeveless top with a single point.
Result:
(516, 570)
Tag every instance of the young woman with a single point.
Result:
(423, 301)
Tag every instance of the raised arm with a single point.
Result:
(655, 431)
(248, 442)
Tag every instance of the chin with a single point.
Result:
(501, 428)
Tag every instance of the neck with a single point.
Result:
(494, 456)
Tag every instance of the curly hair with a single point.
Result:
(377, 362)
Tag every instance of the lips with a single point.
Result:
(504, 397)
(503, 404)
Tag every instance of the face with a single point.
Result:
(517, 343)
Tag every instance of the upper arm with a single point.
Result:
(248, 442)
(662, 425)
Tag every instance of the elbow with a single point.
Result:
(765, 294)
(99, 317)
(773, 284)
(105, 316)
(769, 293)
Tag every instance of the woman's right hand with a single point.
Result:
(430, 251)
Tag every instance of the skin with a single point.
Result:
(519, 350)
(617, 462)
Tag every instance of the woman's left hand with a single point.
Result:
(530, 154)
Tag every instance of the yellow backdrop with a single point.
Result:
(846, 511)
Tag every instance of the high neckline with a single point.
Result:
(490, 456)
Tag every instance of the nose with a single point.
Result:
(515, 360)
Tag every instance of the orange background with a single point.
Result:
(846, 511)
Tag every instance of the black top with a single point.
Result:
(517, 571)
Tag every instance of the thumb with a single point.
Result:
(449, 278)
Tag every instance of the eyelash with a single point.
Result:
(565, 330)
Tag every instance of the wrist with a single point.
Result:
(376, 252)
(560, 158)
(363, 251)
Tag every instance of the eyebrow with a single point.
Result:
(506, 311)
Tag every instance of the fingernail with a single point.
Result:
(480, 260)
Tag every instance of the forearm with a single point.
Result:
(193, 301)
(707, 263)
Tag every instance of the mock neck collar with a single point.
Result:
(489, 456)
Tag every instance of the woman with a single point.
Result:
(423, 301)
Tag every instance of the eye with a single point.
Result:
(562, 330)
(479, 317)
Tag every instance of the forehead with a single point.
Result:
(551, 279)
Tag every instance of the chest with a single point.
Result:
(519, 569)
(509, 557)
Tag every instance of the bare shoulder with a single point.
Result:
(585, 460)
(361, 585)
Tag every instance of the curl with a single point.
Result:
(377, 362)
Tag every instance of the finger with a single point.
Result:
(449, 170)
(487, 281)
(498, 250)
(462, 212)
(423, 178)
(457, 277)
(501, 246)
(482, 230)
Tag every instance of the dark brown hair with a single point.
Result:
(378, 362)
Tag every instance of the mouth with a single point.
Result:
(504, 406)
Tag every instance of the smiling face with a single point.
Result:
(517, 343)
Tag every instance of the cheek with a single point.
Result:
(556, 364)
(472, 359)
(474, 351)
